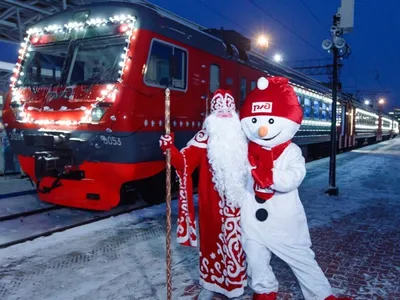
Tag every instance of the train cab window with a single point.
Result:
(44, 65)
(166, 65)
(307, 108)
(323, 113)
(252, 85)
(242, 90)
(316, 110)
(95, 62)
(215, 73)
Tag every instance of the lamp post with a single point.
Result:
(339, 48)
(381, 101)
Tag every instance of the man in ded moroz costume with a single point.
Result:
(273, 218)
(220, 151)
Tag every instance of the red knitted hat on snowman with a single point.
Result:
(272, 97)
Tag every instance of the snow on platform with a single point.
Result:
(355, 236)
(14, 186)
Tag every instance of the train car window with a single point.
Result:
(307, 108)
(299, 98)
(323, 113)
(229, 81)
(242, 90)
(166, 65)
(316, 110)
(252, 85)
(215, 75)
(329, 112)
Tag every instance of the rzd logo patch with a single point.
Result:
(261, 107)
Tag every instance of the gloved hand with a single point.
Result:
(166, 142)
(252, 161)
(263, 176)
(262, 163)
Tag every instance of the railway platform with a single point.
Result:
(355, 237)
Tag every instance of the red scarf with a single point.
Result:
(263, 160)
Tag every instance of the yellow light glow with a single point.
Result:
(262, 41)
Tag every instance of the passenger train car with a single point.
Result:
(86, 104)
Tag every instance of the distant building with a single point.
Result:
(395, 113)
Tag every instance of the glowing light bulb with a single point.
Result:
(262, 41)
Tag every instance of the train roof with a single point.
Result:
(157, 19)
(154, 18)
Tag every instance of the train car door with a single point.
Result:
(221, 76)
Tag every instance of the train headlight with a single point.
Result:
(97, 113)
(17, 110)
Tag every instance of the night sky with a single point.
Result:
(375, 40)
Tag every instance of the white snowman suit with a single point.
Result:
(278, 225)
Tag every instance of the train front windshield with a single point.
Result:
(75, 62)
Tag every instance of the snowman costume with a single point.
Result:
(273, 217)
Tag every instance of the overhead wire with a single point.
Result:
(285, 26)
(350, 71)
(312, 13)
(223, 16)
(276, 20)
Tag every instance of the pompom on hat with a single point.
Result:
(272, 97)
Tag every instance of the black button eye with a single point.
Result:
(254, 120)
(271, 121)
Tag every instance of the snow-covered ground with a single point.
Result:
(124, 257)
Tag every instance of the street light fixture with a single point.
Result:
(263, 41)
(278, 58)
(366, 102)
(381, 101)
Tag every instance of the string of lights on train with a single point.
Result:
(127, 26)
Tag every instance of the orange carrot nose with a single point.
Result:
(263, 131)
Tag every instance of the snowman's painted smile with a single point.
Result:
(272, 137)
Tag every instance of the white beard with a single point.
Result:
(227, 150)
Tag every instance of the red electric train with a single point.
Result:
(86, 104)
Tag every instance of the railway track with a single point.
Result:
(28, 213)
(53, 214)
(58, 219)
